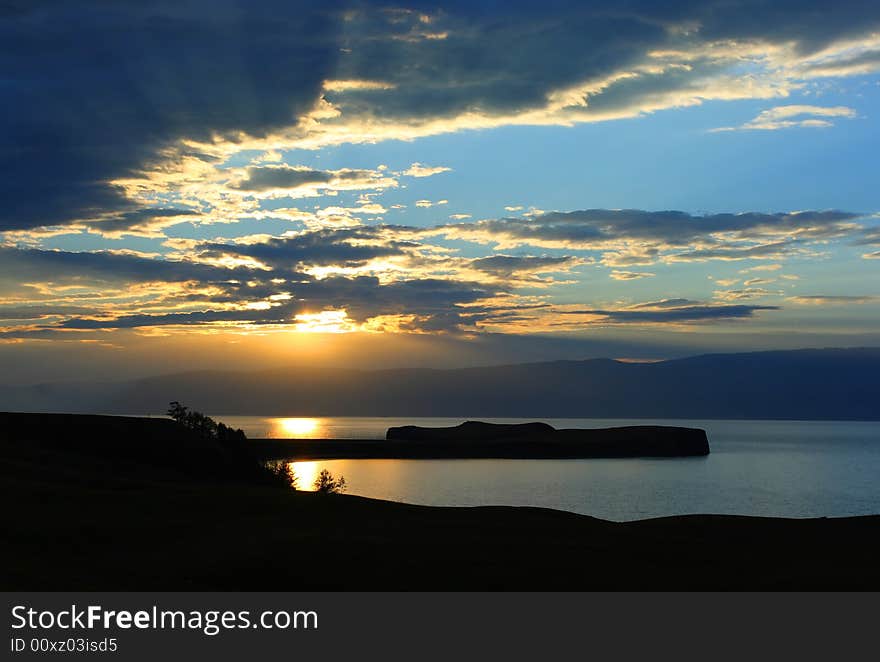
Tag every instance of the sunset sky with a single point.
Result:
(196, 183)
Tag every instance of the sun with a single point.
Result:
(327, 321)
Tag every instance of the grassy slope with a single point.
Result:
(75, 522)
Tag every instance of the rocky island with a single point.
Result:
(541, 439)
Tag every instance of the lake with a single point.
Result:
(768, 468)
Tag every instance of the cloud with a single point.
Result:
(769, 251)
(831, 299)
(630, 275)
(148, 222)
(745, 294)
(298, 181)
(794, 116)
(762, 267)
(635, 237)
(378, 277)
(343, 85)
(39, 311)
(83, 140)
(868, 237)
(425, 305)
(408, 278)
(507, 266)
(421, 170)
(858, 57)
(683, 314)
(27, 265)
(590, 226)
(344, 248)
(427, 203)
(193, 71)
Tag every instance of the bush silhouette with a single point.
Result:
(325, 483)
(204, 426)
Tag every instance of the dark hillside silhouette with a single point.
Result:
(79, 520)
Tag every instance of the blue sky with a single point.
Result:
(677, 175)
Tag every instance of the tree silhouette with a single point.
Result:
(325, 483)
(204, 426)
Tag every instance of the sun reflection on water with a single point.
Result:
(305, 473)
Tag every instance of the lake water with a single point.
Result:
(768, 468)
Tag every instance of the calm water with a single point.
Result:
(772, 468)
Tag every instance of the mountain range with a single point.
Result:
(815, 384)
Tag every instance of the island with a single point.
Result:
(479, 440)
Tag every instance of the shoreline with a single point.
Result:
(380, 449)
(88, 513)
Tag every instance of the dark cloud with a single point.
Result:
(509, 265)
(279, 315)
(92, 90)
(39, 311)
(269, 177)
(365, 296)
(481, 57)
(433, 302)
(594, 226)
(861, 63)
(869, 237)
(473, 58)
(666, 303)
(265, 178)
(681, 314)
(771, 250)
(320, 247)
(34, 265)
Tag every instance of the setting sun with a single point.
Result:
(298, 427)
(327, 321)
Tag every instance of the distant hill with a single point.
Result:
(815, 384)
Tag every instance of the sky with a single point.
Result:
(197, 184)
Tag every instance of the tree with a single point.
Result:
(178, 412)
(204, 426)
(325, 483)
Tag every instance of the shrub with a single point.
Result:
(325, 483)
(204, 426)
